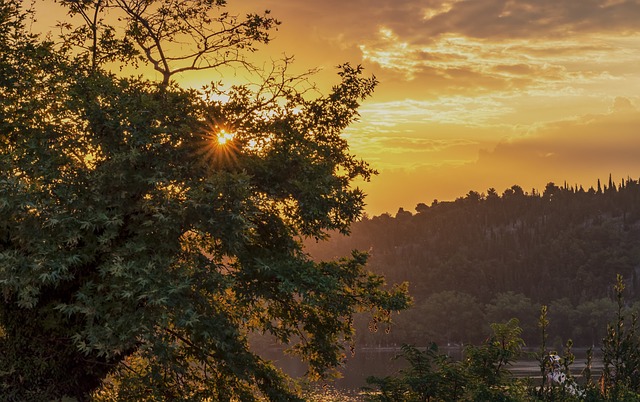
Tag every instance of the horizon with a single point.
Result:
(530, 191)
(451, 196)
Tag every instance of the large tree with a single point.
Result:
(146, 231)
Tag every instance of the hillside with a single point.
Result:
(488, 257)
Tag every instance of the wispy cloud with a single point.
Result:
(462, 110)
(473, 65)
(425, 20)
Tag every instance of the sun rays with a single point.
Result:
(219, 147)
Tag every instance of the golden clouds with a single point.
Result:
(465, 64)
(477, 93)
(455, 109)
(434, 10)
(513, 92)
(578, 150)
(508, 19)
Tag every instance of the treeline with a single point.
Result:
(488, 257)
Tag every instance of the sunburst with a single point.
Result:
(219, 146)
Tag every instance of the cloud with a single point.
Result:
(460, 76)
(462, 110)
(511, 19)
(579, 151)
(470, 65)
(468, 46)
(592, 145)
(408, 147)
(422, 21)
(622, 104)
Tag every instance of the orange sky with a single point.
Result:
(476, 94)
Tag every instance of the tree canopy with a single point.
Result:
(511, 253)
(147, 230)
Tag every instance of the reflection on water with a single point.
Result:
(382, 362)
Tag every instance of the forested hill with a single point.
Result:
(562, 246)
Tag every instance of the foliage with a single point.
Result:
(507, 305)
(543, 355)
(511, 252)
(618, 381)
(450, 316)
(489, 363)
(431, 376)
(137, 246)
(621, 353)
(483, 374)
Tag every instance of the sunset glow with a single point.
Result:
(473, 94)
(480, 94)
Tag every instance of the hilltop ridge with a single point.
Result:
(487, 257)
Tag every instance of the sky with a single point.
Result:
(476, 94)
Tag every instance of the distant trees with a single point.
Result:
(482, 374)
(559, 247)
(449, 317)
(505, 306)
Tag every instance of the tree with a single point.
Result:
(451, 317)
(507, 305)
(593, 317)
(620, 356)
(206, 35)
(422, 208)
(147, 230)
(430, 376)
(483, 374)
(489, 363)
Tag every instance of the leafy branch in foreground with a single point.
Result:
(482, 376)
(483, 373)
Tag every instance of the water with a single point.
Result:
(382, 362)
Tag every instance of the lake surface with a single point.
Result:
(382, 362)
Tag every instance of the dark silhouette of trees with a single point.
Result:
(559, 247)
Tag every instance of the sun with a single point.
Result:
(219, 147)
(224, 138)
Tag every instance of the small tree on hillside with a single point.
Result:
(621, 352)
